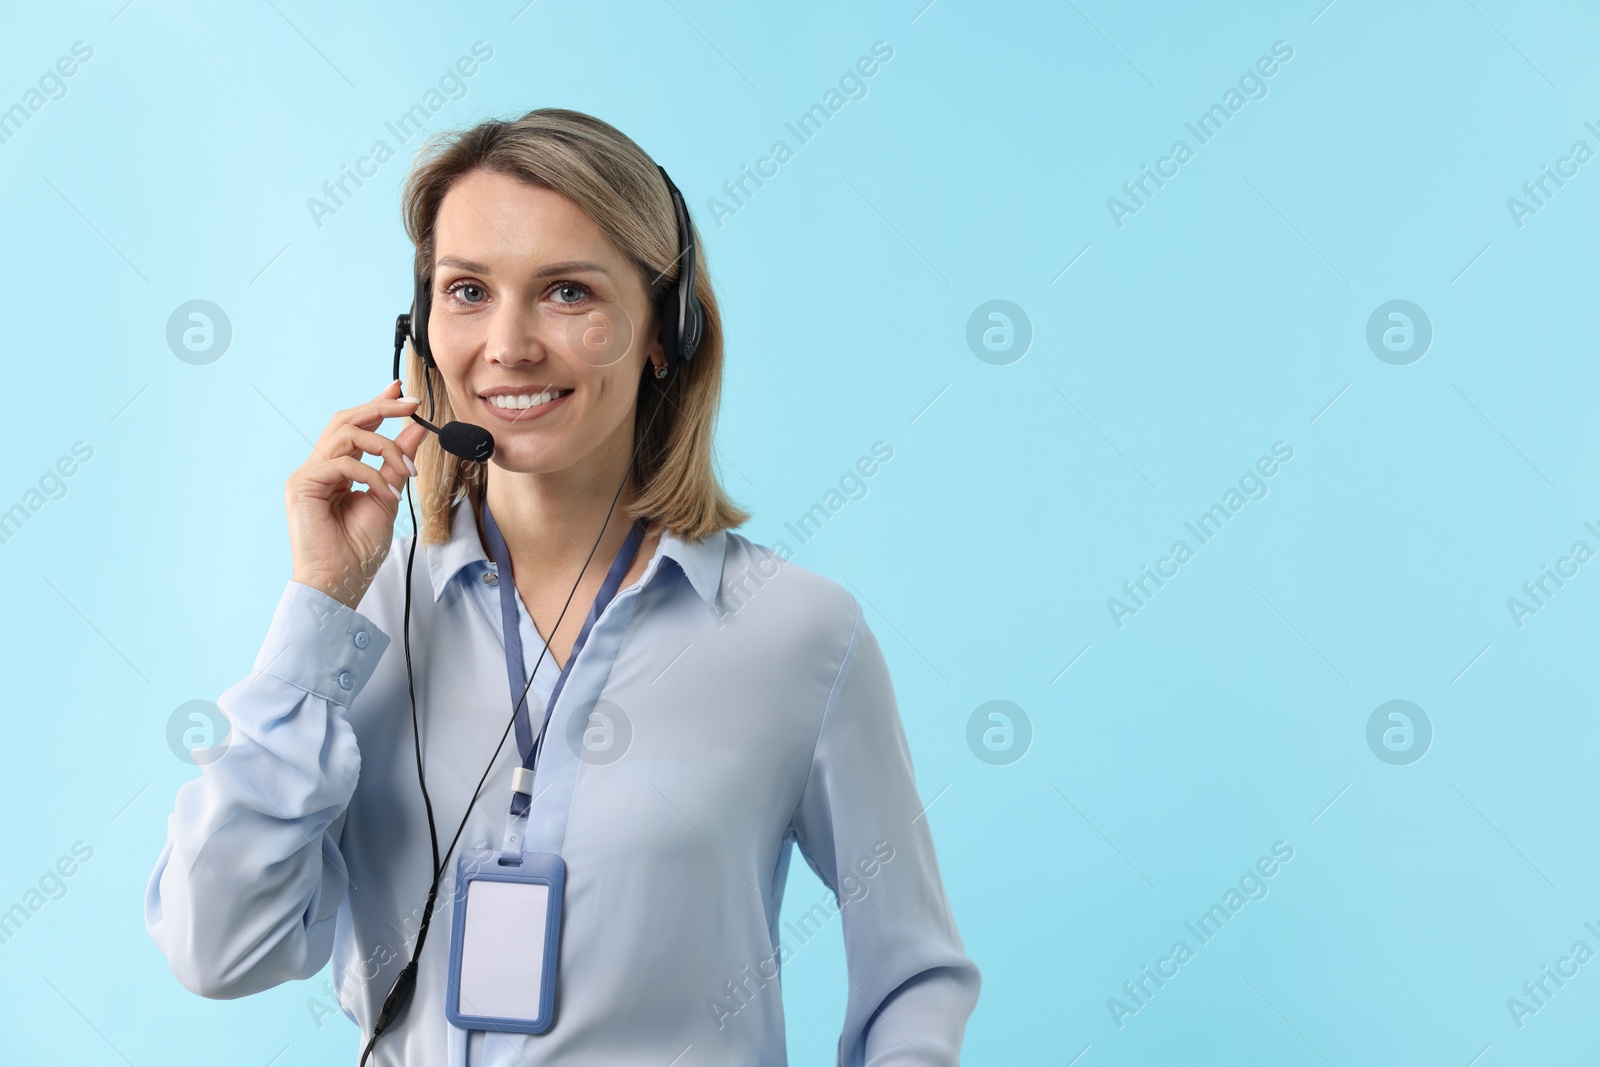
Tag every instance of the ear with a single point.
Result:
(655, 355)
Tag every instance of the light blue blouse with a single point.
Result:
(727, 704)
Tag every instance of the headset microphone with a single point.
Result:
(464, 439)
(682, 323)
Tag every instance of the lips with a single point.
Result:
(523, 406)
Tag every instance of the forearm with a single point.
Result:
(924, 1021)
(244, 894)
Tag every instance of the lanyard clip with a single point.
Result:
(517, 816)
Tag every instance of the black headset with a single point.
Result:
(682, 323)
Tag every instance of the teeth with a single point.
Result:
(526, 400)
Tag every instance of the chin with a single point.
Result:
(520, 457)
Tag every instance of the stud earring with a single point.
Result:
(661, 370)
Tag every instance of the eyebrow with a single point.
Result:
(569, 267)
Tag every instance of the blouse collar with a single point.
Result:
(700, 561)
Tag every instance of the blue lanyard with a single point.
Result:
(528, 744)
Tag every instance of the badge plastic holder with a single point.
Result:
(505, 941)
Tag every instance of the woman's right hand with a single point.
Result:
(338, 536)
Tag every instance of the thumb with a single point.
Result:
(410, 438)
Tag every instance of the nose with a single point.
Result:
(514, 335)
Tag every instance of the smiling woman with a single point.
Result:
(558, 284)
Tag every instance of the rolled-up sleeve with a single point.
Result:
(861, 827)
(246, 890)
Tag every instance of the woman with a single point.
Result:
(720, 707)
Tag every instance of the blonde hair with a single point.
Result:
(617, 185)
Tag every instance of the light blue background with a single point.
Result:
(1228, 314)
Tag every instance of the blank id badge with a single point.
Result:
(504, 946)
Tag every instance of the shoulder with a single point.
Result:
(762, 585)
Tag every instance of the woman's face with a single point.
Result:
(539, 325)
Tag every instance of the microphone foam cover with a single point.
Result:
(467, 441)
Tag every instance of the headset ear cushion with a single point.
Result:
(668, 330)
(691, 329)
(685, 304)
(421, 304)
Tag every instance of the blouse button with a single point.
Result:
(345, 681)
(491, 578)
(361, 639)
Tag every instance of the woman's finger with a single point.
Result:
(353, 470)
(369, 415)
(410, 438)
(389, 402)
(371, 443)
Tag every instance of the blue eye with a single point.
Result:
(461, 286)
(564, 286)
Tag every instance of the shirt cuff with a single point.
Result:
(318, 644)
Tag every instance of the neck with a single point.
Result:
(550, 520)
